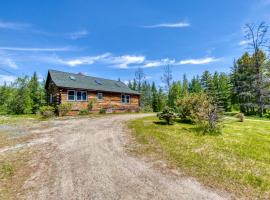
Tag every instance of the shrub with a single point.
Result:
(102, 111)
(64, 108)
(91, 104)
(201, 110)
(84, 112)
(240, 116)
(267, 114)
(167, 114)
(46, 111)
(146, 109)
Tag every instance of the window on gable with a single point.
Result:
(125, 98)
(100, 96)
(71, 95)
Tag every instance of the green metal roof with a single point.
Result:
(79, 81)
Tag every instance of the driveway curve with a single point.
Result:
(87, 159)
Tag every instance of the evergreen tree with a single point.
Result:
(175, 93)
(161, 100)
(185, 86)
(195, 85)
(5, 98)
(21, 102)
(154, 97)
(36, 93)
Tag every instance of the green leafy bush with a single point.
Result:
(84, 112)
(46, 111)
(102, 111)
(200, 109)
(267, 114)
(240, 116)
(167, 114)
(64, 108)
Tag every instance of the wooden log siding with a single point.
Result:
(110, 101)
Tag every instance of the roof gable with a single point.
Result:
(79, 81)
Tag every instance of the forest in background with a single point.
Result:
(245, 89)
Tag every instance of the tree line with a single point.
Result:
(246, 88)
(24, 96)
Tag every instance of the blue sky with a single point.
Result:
(112, 39)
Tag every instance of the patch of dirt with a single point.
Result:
(87, 159)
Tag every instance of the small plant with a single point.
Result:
(102, 111)
(84, 112)
(91, 104)
(46, 111)
(7, 170)
(167, 114)
(64, 108)
(240, 117)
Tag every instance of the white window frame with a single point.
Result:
(101, 95)
(81, 95)
(75, 94)
(125, 99)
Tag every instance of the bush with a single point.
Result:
(147, 109)
(167, 114)
(102, 111)
(64, 108)
(240, 116)
(91, 104)
(267, 114)
(46, 111)
(84, 112)
(200, 109)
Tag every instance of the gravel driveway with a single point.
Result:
(88, 160)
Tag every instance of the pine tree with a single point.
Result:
(154, 97)
(175, 93)
(21, 102)
(36, 93)
(195, 85)
(161, 100)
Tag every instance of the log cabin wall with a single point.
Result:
(112, 102)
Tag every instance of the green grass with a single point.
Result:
(14, 119)
(237, 161)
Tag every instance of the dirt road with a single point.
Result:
(88, 160)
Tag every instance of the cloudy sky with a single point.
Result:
(111, 39)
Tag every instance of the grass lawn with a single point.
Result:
(237, 161)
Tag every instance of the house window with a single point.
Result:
(71, 95)
(81, 96)
(100, 96)
(125, 98)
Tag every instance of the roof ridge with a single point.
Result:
(85, 75)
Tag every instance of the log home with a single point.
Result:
(79, 90)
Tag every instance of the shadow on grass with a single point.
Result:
(162, 123)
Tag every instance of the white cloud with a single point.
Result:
(169, 25)
(125, 60)
(158, 63)
(6, 79)
(13, 25)
(82, 60)
(244, 42)
(8, 62)
(34, 49)
(199, 61)
(78, 34)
